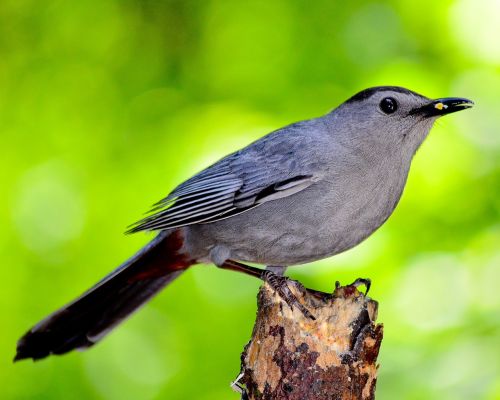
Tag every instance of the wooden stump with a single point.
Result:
(332, 357)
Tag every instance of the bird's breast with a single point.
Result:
(329, 217)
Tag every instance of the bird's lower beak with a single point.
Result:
(444, 106)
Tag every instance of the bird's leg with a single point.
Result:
(239, 267)
(278, 283)
(277, 269)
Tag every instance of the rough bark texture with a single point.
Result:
(332, 357)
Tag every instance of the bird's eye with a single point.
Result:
(388, 105)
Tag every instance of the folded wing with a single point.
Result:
(235, 184)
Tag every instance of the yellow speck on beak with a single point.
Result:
(439, 106)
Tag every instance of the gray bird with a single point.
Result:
(302, 193)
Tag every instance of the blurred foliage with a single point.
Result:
(106, 105)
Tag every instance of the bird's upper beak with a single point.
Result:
(439, 107)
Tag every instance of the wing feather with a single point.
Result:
(196, 202)
(276, 166)
(193, 196)
(207, 203)
(194, 218)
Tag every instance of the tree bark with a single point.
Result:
(293, 357)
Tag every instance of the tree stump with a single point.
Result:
(293, 357)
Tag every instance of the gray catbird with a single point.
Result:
(302, 193)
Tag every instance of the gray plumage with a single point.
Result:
(302, 193)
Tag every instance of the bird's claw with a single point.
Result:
(359, 282)
(280, 286)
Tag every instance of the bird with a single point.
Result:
(302, 193)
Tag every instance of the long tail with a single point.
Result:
(90, 317)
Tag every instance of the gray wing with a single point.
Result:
(274, 167)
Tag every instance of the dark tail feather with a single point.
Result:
(90, 317)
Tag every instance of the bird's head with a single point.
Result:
(392, 118)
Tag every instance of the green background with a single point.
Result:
(106, 105)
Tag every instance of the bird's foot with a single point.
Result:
(357, 283)
(280, 286)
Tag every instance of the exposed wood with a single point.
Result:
(332, 357)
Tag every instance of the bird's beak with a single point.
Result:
(445, 106)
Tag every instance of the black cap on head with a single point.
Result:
(367, 93)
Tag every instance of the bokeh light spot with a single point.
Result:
(476, 28)
(465, 371)
(433, 292)
(129, 366)
(48, 208)
(481, 124)
(225, 287)
(369, 42)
